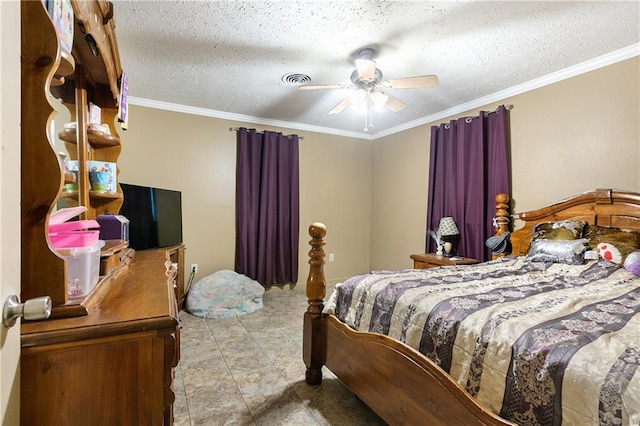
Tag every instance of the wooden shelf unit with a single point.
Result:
(77, 77)
(106, 358)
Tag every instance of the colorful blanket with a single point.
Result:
(537, 343)
(224, 294)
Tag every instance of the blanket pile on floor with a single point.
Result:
(224, 294)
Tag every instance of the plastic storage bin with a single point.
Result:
(83, 268)
(74, 234)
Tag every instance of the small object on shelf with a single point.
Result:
(104, 128)
(102, 176)
(72, 186)
(123, 116)
(113, 227)
(72, 167)
(95, 114)
(99, 180)
(61, 13)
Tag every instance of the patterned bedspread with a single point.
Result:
(537, 343)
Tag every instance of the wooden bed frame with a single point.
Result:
(397, 382)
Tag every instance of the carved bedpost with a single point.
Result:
(314, 345)
(501, 220)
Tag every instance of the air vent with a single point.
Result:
(295, 79)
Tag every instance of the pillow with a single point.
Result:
(613, 244)
(559, 230)
(599, 234)
(632, 263)
(570, 252)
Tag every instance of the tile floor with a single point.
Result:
(249, 371)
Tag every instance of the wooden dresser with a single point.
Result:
(112, 367)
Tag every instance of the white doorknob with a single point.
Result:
(32, 309)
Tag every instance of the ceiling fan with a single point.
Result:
(368, 88)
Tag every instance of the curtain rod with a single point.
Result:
(235, 129)
(508, 107)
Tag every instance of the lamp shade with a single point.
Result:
(448, 226)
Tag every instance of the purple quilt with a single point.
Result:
(537, 343)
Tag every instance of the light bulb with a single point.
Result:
(358, 100)
(379, 99)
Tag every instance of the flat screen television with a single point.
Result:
(155, 216)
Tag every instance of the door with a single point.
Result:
(9, 206)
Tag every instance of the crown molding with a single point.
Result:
(149, 103)
(581, 68)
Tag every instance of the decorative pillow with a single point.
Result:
(559, 230)
(632, 263)
(570, 252)
(599, 234)
(613, 244)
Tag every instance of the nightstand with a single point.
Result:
(431, 260)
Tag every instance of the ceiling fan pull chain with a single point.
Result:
(370, 116)
(370, 108)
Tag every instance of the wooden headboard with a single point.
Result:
(604, 207)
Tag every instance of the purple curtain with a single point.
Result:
(267, 206)
(468, 166)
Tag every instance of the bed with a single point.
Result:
(403, 386)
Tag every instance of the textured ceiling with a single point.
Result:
(229, 56)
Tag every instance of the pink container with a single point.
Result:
(74, 234)
(74, 239)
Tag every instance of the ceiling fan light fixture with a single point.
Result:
(366, 88)
(366, 69)
(358, 100)
(379, 99)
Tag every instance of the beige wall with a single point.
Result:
(196, 155)
(566, 138)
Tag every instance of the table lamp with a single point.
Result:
(450, 236)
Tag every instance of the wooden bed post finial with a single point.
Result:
(316, 285)
(501, 219)
(314, 345)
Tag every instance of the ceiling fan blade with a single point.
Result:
(412, 82)
(366, 69)
(341, 106)
(394, 104)
(325, 87)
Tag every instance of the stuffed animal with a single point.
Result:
(632, 263)
(609, 252)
